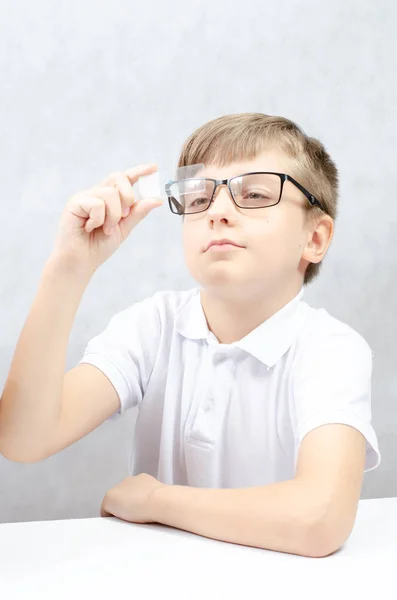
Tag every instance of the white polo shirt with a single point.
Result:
(232, 415)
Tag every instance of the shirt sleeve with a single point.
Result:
(126, 351)
(332, 384)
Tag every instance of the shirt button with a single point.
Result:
(208, 406)
(220, 357)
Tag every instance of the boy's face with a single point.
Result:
(274, 245)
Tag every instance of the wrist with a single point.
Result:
(58, 266)
(157, 502)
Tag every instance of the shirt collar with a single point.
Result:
(268, 342)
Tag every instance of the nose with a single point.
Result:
(222, 205)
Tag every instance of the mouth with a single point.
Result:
(222, 246)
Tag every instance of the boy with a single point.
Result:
(254, 417)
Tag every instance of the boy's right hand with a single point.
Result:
(95, 222)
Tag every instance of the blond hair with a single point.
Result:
(243, 136)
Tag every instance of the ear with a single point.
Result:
(320, 233)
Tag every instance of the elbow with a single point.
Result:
(21, 448)
(18, 457)
(18, 453)
(324, 536)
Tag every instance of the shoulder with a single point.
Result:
(162, 307)
(325, 338)
(142, 324)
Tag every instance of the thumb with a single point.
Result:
(138, 212)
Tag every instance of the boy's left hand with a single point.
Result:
(131, 500)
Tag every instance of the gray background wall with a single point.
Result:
(89, 87)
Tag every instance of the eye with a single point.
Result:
(198, 201)
(255, 194)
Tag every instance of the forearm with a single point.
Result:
(283, 516)
(31, 402)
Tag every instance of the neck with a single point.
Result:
(231, 320)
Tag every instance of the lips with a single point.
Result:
(223, 242)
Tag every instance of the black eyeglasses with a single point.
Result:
(250, 190)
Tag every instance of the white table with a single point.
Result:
(107, 558)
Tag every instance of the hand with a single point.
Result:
(132, 499)
(95, 222)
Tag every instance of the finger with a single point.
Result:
(139, 211)
(135, 173)
(92, 209)
(120, 181)
(96, 217)
(111, 198)
(104, 512)
(124, 187)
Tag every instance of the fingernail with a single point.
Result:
(111, 231)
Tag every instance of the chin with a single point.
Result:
(223, 281)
